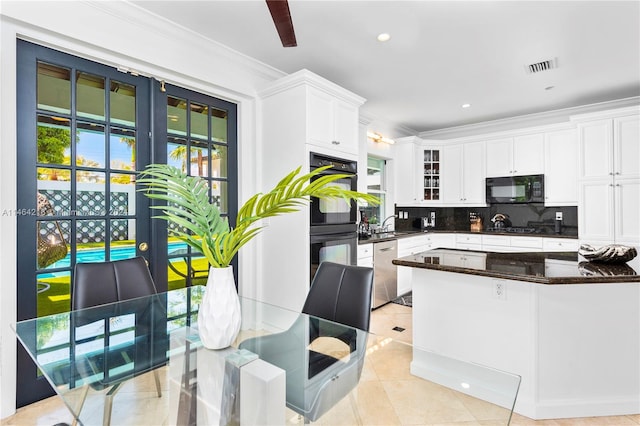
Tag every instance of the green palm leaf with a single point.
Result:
(184, 201)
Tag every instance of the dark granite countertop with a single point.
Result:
(536, 267)
(386, 236)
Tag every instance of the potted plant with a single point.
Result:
(201, 226)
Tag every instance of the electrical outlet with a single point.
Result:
(499, 290)
(558, 215)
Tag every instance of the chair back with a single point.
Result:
(107, 282)
(341, 293)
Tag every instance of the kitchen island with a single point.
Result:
(569, 328)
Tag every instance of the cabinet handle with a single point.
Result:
(335, 142)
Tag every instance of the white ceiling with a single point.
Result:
(442, 54)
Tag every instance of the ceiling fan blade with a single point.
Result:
(281, 15)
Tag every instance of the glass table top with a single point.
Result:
(83, 354)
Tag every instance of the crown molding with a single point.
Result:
(530, 120)
(304, 77)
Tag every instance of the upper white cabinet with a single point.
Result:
(519, 155)
(331, 122)
(609, 186)
(417, 172)
(305, 109)
(408, 172)
(610, 147)
(561, 168)
(463, 174)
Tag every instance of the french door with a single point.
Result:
(84, 131)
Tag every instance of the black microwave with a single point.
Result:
(515, 189)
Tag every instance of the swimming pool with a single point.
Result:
(99, 255)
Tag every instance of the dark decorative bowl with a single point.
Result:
(612, 253)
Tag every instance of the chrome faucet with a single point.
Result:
(383, 227)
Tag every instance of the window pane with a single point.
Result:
(90, 145)
(90, 194)
(52, 244)
(123, 194)
(218, 125)
(54, 192)
(90, 95)
(54, 140)
(123, 103)
(219, 161)
(90, 236)
(53, 297)
(198, 159)
(177, 153)
(199, 115)
(123, 244)
(219, 195)
(54, 88)
(176, 115)
(122, 149)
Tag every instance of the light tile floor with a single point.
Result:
(387, 395)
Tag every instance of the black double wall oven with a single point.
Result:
(333, 222)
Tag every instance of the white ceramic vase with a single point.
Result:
(219, 314)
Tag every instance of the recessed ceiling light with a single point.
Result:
(384, 37)
(466, 105)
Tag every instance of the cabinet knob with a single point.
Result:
(335, 142)
(610, 173)
(515, 171)
(617, 173)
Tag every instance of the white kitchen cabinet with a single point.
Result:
(609, 186)
(469, 241)
(610, 148)
(609, 211)
(440, 240)
(463, 174)
(560, 244)
(299, 113)
(431, 175)
(332, 123)
(466, 260)
(407, 173)
(519, 155)
(365, 255)
(408, 246)
(510, 243)
(561, 168)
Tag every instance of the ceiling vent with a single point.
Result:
(542, 66)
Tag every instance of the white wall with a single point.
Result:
(143, 43)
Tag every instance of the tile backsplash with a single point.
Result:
(522, 215)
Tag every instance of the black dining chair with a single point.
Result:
(96, 284)
(338, 301)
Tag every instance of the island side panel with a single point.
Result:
(576, 346)
(460, 316)
(589, 350)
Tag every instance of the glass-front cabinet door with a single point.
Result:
(431, 174)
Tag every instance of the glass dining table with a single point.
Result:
(145, 357)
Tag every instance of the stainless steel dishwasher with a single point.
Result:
(385, 279)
